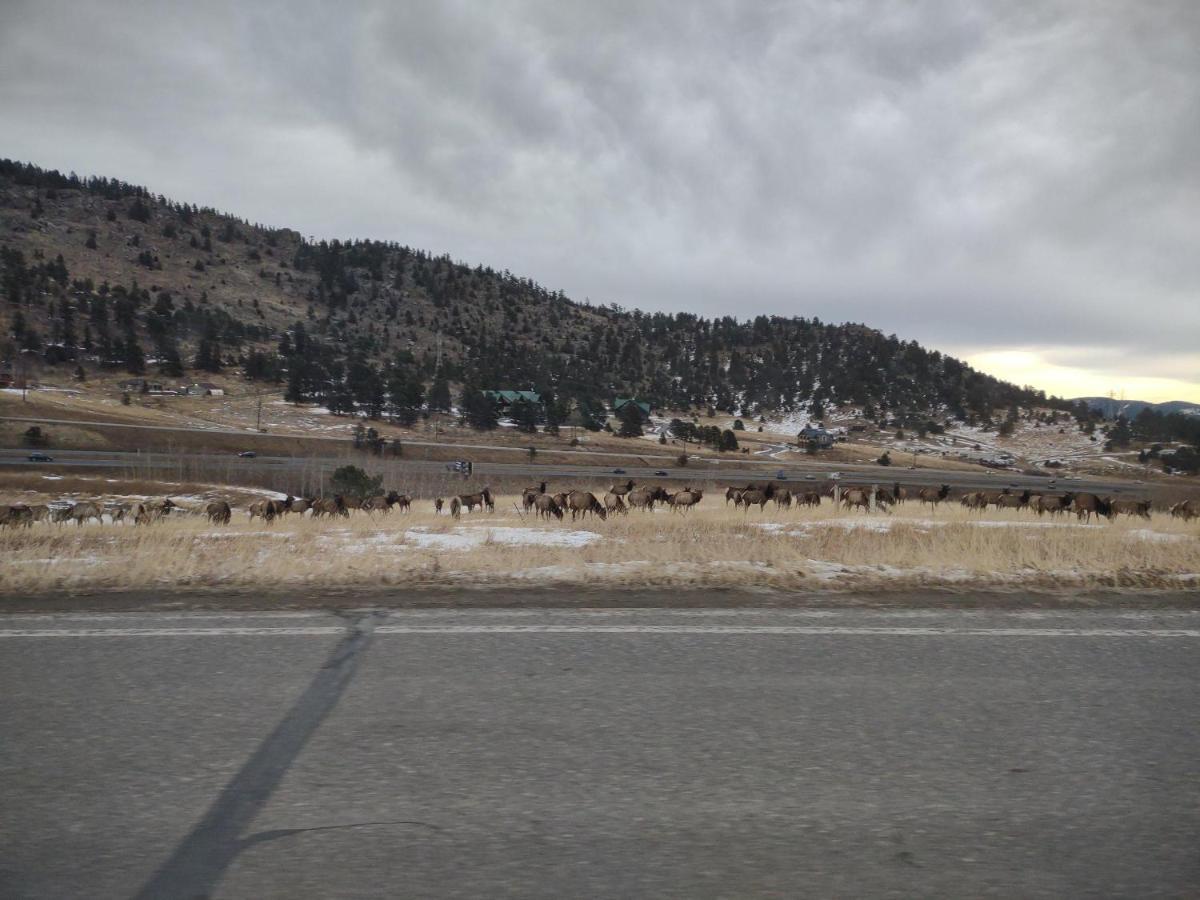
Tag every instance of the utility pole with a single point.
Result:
(258, 416)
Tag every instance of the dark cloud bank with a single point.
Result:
(977, 176)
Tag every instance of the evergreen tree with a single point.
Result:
(169, 361)
(630, 416)
(525, 415)
(728, 440)
(406, 396)
(134, 358)
(294, 392)
(208, 355)
(139, 212)
(479, 411)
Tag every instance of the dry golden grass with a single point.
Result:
(713, 546)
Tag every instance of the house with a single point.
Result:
(620, 402)
(203, 389)
(810, 434)
(505, 399)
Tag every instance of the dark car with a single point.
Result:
(781, 475)
(618, 471)
(40, 457)
(660, 473)
(247, 454)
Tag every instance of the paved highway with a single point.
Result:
(620, 753)
(731, 472)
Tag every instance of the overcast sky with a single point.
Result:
(1016, 183)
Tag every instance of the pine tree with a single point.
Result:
(630, 416)
(479, 411)
(406, 396)
(439, 395)
(208, 355)
(139, 212)
(134, 358)
(169, 361)
(525, 415)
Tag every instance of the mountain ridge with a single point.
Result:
(1110, 408)
(97, 271)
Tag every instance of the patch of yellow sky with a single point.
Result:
(1027, 367)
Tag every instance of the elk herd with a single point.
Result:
(618, 499)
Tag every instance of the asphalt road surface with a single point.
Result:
(621, 753)
(733, 471)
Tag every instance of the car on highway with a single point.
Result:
(247, 454)
(619, 472)
(781, 475)
(810, 477)
(40, 457)
(660, 473)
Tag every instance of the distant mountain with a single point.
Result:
(1110, 408)
(98, 273)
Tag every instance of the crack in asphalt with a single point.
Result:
(200, 861)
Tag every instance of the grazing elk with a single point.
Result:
(218, 512)
(1014, 501)
(1048, 503)
(754, 496)
(621, 489)
(783, 499)
(809, 498)
(530, 494)
(732, 493)
(1186, 510)
(381, 503)
(614, 504)
(682, 501)
(546, 506)
(301, 505)
(934, 497)
(16, 516)
(1132, 508)
(438, 505)
(482, 499)
(644, 498)
(860, 498)
(330, 506)
(83, 512)
(1087, 505)
(455, 507)
(580, 503)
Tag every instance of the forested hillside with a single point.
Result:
(99, 273)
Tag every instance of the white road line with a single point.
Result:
(846, 630)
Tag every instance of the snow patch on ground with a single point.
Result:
(465, 538)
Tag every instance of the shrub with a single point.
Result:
(35, 437)
(354, 482)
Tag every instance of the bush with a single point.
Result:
(885, 460)
(682, 460)
(35, 437)
(354, 482)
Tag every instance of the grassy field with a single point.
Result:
(714, 546)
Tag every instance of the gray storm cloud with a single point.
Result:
(968, 174)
